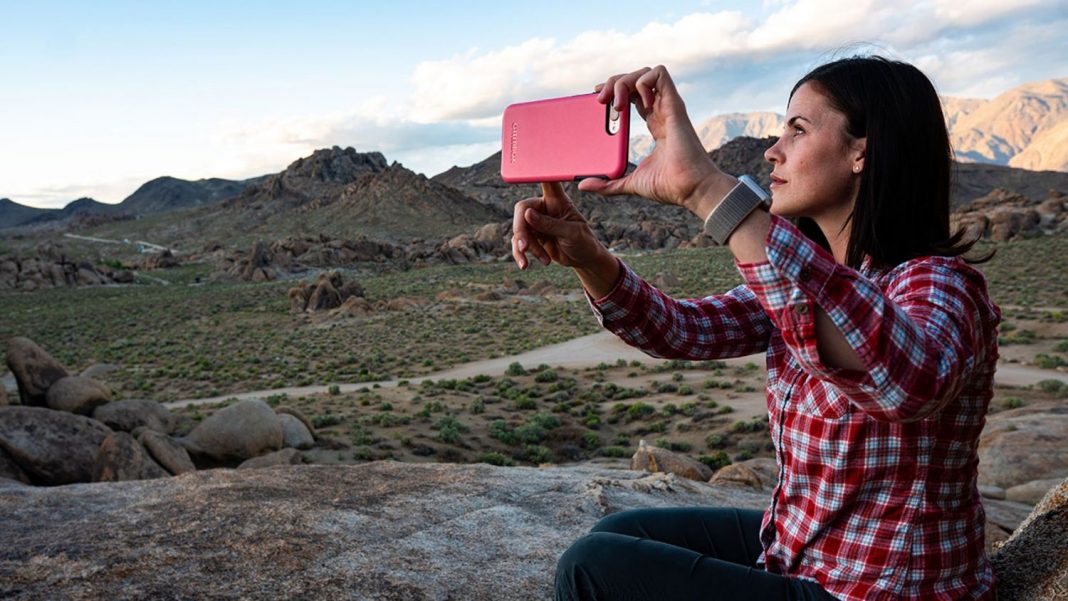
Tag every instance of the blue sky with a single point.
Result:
(97, 98)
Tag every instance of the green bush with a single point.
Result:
(717, 440)
(323, 421)
(334, 390)
(500, 430)
(1057, 387)
(449, 429)
(1045, 361)
(679, 447)
(495, 458)
(1061, 347)
(715, 460)
(590, 441)
(546, 376)
(1012, 402)
(478, 406)
(537, 454)
(616, 451)
(515, 369)
(639, 411)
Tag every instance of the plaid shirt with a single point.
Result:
(877, 496)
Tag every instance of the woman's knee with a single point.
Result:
(623, 522)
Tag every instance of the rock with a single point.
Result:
(297, 413)
(97, 371)
(354, 307)
(233, 434)
(294, 433)
(323, 297)
(77, 394)
(1033, 563)
(283, 457)
(737, 474)
(122, 276)
(126, 415)
(655, 459)
(169, 454)
(121, 458)
(382, 530)
(52, 447)
(11, 470)
(992, 492)
(1031, 492)
(1016, 449)
(34, 369)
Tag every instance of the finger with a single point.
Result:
(613, 187)
(521, 233)
(551, 228)
(597, 88)
(624, 86)
(556, 200)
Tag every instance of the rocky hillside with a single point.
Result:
(1023, 127)
(717, 131)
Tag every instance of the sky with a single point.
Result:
(97, 98)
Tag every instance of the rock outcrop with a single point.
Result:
(52, 447)
(34, 369)
(234, 434)
(1033, 563)
(49, 267)
(381, 530)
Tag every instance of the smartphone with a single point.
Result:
(564, 139)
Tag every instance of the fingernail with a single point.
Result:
(522, 244)
(545, 260)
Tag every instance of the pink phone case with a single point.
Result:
(562, 139)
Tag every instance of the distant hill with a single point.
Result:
(12, 213)
(166, 193)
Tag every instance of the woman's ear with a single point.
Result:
(857, 153)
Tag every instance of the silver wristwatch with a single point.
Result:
(734, 208)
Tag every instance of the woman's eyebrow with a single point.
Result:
(796, 118)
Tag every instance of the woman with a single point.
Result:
(881, 346)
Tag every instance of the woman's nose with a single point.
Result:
(772, 154)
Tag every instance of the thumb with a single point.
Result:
(605, 188)
(542, 223)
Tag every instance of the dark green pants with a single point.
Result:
(706, 554)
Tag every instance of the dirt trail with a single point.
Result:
(587, 351)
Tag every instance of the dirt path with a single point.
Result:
(587, 351)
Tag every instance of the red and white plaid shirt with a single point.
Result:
(877, 494)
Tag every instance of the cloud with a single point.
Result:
(478, 84)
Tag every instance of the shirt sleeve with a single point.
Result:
(715, 327)
(917, 340)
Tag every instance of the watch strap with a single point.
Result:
(746, 196)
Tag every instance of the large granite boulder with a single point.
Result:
(288, 456)
(1017, 449)
(169, 454)
(52, 447)
(380, 530)
(1033, 563)
(655, 459)
(77, 394)
(129, 414)
(233, 434)
(35, 370)
(294, 433)
(122, 458)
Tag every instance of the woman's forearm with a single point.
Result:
(601, 277)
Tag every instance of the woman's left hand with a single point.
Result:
(679, 170)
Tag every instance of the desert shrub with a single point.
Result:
(385, 406)
(753, 425)
(546, 376)
(323, 421)
(449, 429)
(503, 432)
(715, 460)
(515, 369)
(615, 451)
(743, 456)
(1012, 402)
(1045, 361)
(1057, 387)
(639, 411)
(537, 454)
(495, 458)
(590, 441)
(717, 440)
(665, 387)
(685, 390)
(669, 409)
(334, 390)
(592, 421)
(525, 403)
(679, 447)
(363, 453)
(1061, 347)
(477, 406)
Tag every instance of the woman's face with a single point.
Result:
(817, 165)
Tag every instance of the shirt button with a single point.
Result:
(801, 309)
(805, 275)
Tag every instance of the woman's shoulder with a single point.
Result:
(941, 276)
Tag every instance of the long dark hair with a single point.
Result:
(902, 208)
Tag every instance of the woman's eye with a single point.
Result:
(798, 131)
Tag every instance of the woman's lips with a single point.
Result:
(777, 181)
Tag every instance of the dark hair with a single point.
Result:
(902, 208)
